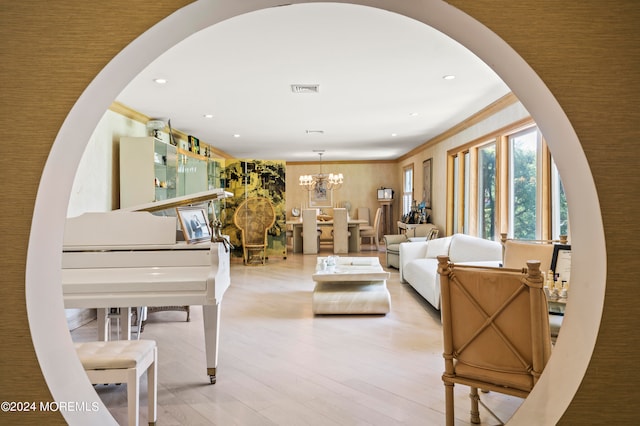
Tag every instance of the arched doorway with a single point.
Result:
(57, 177)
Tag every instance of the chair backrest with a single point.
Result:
(254, 217)
(433, 234)
(515, 253)
(340, 231)
(309, 231)
(363, 214)
(495, 325)
(377, 218)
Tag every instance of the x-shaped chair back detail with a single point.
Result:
(495, 329)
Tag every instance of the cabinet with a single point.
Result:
(192, 173)
(386, 222)
(148, 171)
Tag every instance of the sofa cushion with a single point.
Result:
(422, 275)
(465, 248)
(438, 247)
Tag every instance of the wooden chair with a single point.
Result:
(496, 330)
(254, 217)
(372, 233)
(515, 253)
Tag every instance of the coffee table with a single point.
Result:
(357, 285)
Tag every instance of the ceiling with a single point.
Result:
(382, 90)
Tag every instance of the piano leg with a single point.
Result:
(103, 324)
(125, 323)
(211, 319)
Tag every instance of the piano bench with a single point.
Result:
(124, 361)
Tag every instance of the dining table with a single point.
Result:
(352, 224)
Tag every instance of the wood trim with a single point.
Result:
(546, 190)
(315, 162)
(120, 108)
(514, 127)
(450, 193)
(473, 191)
(476, 118)
(502, 183)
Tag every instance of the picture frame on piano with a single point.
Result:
(194, 224)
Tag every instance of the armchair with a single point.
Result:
(254, 217)
(392, 243)
(495, 330)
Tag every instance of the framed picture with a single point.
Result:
(561, 262)
(426, 182)
(194, 224)
(320, 196)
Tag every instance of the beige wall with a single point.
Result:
(586, 52)
(360, 188)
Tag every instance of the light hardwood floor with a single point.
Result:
(281, 365)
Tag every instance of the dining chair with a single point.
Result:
(340, 231)
(372, 233)
(495, 329)
(310, 232)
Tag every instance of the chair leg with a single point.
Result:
(475, 411)
(449, 409)
(133, 396)
(152, 388)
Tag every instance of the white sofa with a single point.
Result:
(419, 263)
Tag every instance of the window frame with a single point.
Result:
(407, 191)
(463, 181)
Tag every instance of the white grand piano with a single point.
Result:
(131, 258)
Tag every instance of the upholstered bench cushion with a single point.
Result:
(114, 354)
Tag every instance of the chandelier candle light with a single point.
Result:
(321, 180)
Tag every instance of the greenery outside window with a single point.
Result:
(525, 205)
(506, 182)
(487, 191)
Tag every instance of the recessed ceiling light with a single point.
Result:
(394, 135)
(314, 132)
(413, 114)
(160, 80)
(236, 135)
(208, 116)
(449, 77)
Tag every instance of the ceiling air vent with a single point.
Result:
(305, 88)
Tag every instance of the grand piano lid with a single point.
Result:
(131, 226)
(196, 198)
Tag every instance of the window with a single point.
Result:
(559, 210)
(524, 192)
(407, 190)
(487, 191)
(506, 183)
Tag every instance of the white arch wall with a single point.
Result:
(558, 384)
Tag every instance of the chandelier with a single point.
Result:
(321, 180)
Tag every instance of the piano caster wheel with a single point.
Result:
(212, 378)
